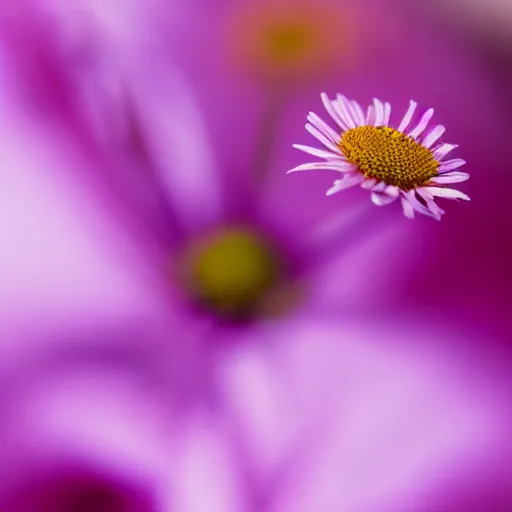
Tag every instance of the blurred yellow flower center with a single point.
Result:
(387, 155)
(290, 38)
(287, 42)
(233, 270)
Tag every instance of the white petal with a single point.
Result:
(450, 165)
(321, 153)
(425, 119)
(443, 150)
(347, 182)
(332, 112)
(323, 127)
(434, 136)
(382, 199)
(357, 113)
(333, 165)
(451, 177)
(408, 116)
(449, 193)
(344, 108)
(322, 138)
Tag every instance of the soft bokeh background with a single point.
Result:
(342, 357)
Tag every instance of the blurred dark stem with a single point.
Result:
(267, 134)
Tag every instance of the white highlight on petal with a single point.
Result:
(449, 193)
(450, 165)
(420, 128)
(408, 116)
(333, 112)
(347, 182)
(434, 136)
(451, 177)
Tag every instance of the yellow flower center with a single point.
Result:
(233, 271)
(387, 155)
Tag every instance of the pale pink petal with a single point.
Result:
(379, 112)
(450, 177)
(344, 107)
(387, 113)
(357, 113)
(321, 153)
(335, 165)
(382, 199)
(349, 180)
(370, 116)
(322, 138)
(433, 136)
(368, 184)
(333, 112)
(450, 165)
(423, 123)
(379, 187)
(449, 193)
(417, 205)
(323, 127)
(443, 150)
(407, 207)
(407, 117)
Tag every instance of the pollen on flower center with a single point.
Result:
(387, 155)
(232, 271)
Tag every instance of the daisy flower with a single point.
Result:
(407, 162)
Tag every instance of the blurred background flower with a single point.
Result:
(161, 272)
